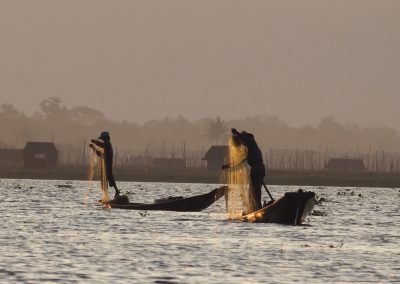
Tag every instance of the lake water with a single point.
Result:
(51, 232)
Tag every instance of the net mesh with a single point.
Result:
(239, 196)
(98, 165)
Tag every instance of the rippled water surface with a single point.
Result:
(51, 232)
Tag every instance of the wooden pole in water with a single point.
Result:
(163, 149)
(84, 152)
(369, 157)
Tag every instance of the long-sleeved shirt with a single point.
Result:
(254, 154)
(108, 150)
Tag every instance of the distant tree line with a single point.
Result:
(72, 127)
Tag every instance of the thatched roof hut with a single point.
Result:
(40, 155)
(216, 156)
(349, 165)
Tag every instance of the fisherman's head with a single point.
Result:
(105, 135)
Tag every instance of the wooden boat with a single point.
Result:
(189, 204)
(291, 209)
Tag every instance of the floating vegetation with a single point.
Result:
(321, 200)
(318, 213)
(347, 192)
(63, 185)
(338, 245)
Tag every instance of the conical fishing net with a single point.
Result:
(239, 196)
(98, 165)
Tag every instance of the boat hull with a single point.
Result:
(189, 204)
(291, 209)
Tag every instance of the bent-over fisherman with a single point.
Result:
(254, 160)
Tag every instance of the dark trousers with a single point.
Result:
(257, 174)
(110, 176)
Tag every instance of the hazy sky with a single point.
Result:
(136, 60)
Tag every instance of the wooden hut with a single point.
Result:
(216, 157)
(40, 155)
(347, 165)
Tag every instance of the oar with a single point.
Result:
(266, 188)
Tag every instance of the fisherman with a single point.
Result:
(254, 159)
(104, 143)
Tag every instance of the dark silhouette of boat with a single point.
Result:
(291, 209)
(180, 204)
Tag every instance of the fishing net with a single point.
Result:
(239, 196)
(98, 165)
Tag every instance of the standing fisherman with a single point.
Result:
(254, 159)
(105, 144)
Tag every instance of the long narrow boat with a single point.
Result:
(189, 204)
(291, 209)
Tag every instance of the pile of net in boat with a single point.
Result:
(97, 167)
(240, 197)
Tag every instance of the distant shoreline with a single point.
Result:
(274, 177)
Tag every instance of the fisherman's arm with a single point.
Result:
(98, 150)
(98, 142)
(245, 138)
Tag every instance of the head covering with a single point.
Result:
(104, 135)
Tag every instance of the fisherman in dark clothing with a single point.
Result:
(105, 146)
(254, 159)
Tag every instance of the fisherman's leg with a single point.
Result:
(117, 192)
(257, 175)
(111, 182)
(257, 189)
(256, 183)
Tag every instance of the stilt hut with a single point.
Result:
(345, 165)
(40, 155)
(216, 157)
